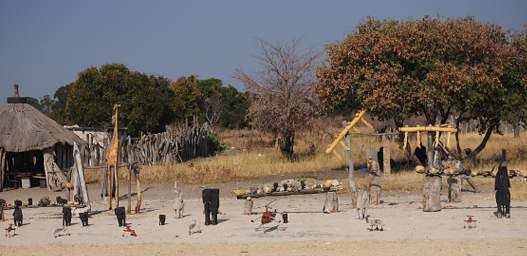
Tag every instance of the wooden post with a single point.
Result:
(431, 193)
(351, 174)
(129, 189)
(387, 168)
(332, 203)
(454, 189)
(2, 169)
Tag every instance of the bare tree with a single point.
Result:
(282, 91)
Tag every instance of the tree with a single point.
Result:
(515, 78)
(59, 103)
(145, 100)
(34, 102)
(209, 101)
(235, 108)
(430, 67)
(46, 102)
(281, 100)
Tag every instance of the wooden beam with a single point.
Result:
(337, 155)
(363, 119)
(343, 145)
(427, 129)
(344, 131)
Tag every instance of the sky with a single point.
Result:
(45, 44)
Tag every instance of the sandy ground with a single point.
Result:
(408, 230)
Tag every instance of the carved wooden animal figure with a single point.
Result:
(66, 216)
(375, 224)
(135, 169)
(10, 230)
(179, 205)
(18, 217)
(84, 218)
(120, 212)
(112, 160)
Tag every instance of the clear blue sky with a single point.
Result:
(44, 44)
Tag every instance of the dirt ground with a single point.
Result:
(408, 230)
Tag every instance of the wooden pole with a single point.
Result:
(351, 174)
(129, 189)
(2, 171)
(109, 176)
(386, 156)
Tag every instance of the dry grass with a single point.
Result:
(251, 154)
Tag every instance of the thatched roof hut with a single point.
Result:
(24, 128)
(33, 147)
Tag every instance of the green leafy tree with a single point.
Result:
(209, 101)
(145, 100)
(60, 98)
(34, 102)
(46, 103)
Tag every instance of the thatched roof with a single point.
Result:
(24, 128)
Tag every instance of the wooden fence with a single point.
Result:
(178, 143)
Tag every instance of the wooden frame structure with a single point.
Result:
(344, 140)
(437, 129)
(351, 128)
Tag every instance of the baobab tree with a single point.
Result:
(281, 92)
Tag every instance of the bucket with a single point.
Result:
(26, 183)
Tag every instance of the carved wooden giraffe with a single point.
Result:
(112, 161)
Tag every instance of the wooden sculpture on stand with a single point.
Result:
(112, 161)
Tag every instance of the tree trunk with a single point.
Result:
(287, 143)
(483, 143)
(432, 193)
(332, 203)
(516, 131)
(351, 174)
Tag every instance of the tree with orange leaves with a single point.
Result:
(429, 67)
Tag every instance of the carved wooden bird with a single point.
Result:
(10, 230)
